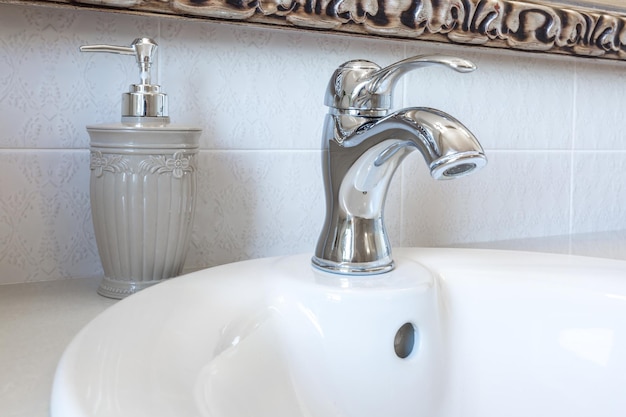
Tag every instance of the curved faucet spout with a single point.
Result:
(361, 155)
(363, 145)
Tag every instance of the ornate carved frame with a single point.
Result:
(571, 29)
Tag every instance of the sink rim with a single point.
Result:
(440, 262)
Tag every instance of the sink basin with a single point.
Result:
(450, 333)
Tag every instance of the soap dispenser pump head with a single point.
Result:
(144, 99)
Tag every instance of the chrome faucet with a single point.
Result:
(363, 146)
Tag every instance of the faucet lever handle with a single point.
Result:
(383, 81)
(362, 87)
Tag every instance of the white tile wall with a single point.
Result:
(552, 128)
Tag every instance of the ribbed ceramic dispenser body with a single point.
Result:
(143, 195)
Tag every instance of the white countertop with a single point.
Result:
(600, 244)
(38, 320)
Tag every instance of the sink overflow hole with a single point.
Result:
(405, 341)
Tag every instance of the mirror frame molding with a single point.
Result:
(527, 25)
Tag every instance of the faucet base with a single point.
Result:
(353, 268)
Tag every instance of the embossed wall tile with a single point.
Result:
(237, 101)
(600, 121)
(45, 218)
(258, 94)
(393, 211)
(518, 194)
(8, 68)
(599, 191)
(255, 204)
(512, 101)
(187, 75)
(260, 89)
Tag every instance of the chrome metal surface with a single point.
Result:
(361, 87)
(144, 99)
(363, 147)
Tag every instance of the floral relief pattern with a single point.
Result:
(177, 165)
(110, 163)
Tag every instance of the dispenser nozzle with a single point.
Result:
(143, 49)
(144, 99)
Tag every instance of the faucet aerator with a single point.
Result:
(457, 165)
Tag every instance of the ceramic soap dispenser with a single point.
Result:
(143, 184)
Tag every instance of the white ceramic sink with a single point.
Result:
(495, 333)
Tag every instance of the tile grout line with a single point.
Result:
(571, 152)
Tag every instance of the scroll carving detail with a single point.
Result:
(522, 25)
